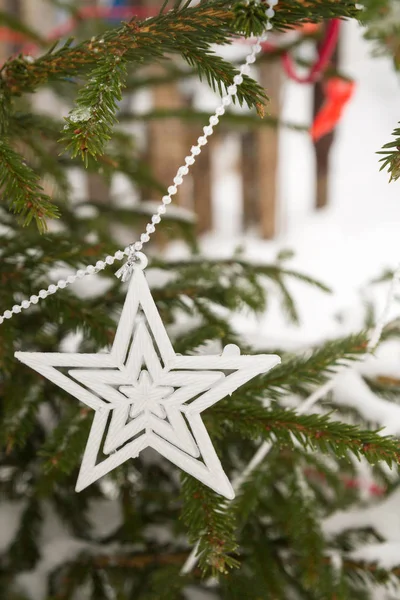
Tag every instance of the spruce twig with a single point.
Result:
(311, 431)
(391, 156)
(183, 32)
(209, 519)
(22, 190)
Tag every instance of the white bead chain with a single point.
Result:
(63, 283)
(172, 190)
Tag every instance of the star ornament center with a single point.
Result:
(146, 396)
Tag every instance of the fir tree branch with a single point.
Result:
(140, 560)
(24, 551)
(36, 137)
(167, 583)
(206, 332)
(42, 124)
(382, 26)
(41, 132)
(63, 458)
(294, 512)
(391, 156)
(248, 496)
(5, 109)
(183, 32)
(20, 412)
(22, 191)
(230, 118)
(385, 387)
(177, 31)
(312, 368)
(290, 13)
(373, 9)
(174, 73)
(311, 431)
(375, 573)
(89, 125)
(55, 249)
(242, 284)
(208, 518)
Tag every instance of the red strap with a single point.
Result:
(325, 53)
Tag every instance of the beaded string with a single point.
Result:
(183, 170)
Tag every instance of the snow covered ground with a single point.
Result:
(357, 236)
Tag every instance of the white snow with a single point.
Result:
(386, 554)
(383, 516)
(56, 553)
(57, 547)
(105, 517)
(351, 390)
(10, 514)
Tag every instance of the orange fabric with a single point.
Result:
(309, 28)
(338, 93)
(9, 36)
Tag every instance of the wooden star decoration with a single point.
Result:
(144, 395)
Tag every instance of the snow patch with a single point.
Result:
(351, 390)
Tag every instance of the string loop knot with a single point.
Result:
(135, 260)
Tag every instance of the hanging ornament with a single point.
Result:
(338, 93)
(146, 396)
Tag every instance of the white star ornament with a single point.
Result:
(146, 396)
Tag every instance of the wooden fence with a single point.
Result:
(168, 141)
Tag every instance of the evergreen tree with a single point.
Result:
(128, 536)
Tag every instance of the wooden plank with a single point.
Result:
(98, 189)
(322, 153)
(270, 77)
(167, 139)
(251, 208)
(202, 185)
(38, 14)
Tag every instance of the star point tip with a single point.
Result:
(270, 361)
(226, 490)
(21, 356)
(79, 487)
(85, 479)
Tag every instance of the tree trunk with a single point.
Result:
(270, 75)
(250, 191)
(202, 185)
(322, 146)
(167, 141)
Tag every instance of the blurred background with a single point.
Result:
(303, 181)
(259, 187)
